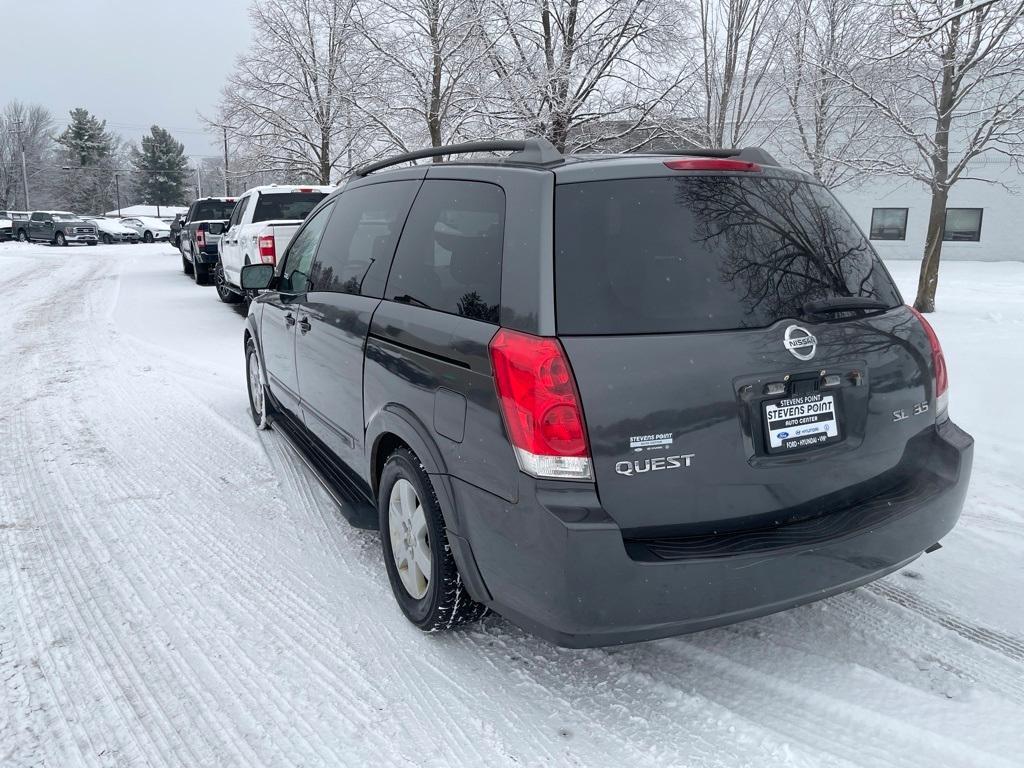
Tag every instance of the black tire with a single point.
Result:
(147, 237)
(107, 239)
(261, 412)
(186, 265)
(22, 236)
(201, 274)
(224, 293)
(445, 604)
(60, 240)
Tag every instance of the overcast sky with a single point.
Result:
(131, 62)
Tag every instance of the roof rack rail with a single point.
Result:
(537, 150)
(753, 154)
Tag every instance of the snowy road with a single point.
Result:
(175, 590)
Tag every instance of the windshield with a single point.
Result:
(64, 217)
(292, 206)
(213, 210)
(704, 253)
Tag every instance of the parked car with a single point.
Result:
(19, 224)
(6, 226)
(613, 398)
(58, 228)
(201, 230)
(111, 231)
(262, 224)
(176, 229)
(148, 228)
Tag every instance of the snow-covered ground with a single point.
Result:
(175, 590)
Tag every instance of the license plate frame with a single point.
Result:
(801, 422)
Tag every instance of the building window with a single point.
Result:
(888, 223)
(962, 225)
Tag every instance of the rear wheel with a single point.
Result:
(224, 293)
(424, 577)
(258, 406)
(186, 265)
(22, 236)
(60, 240)
(147, 237)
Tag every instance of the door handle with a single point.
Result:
(289, 319)
(304, 325)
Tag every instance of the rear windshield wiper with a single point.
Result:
(407, 299)
(844, 304)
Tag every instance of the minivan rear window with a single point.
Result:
(290, 206)
(703, 253)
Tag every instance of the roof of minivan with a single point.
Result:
(598, 166)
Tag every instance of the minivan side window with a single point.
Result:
(449, 257)
(295, 272)
(356, 249)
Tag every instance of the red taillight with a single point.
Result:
(541, 406)
(268, 251)
(304, 189)
(938, 363)
(711, 164)
(200, 237)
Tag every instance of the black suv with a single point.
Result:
(612, 398)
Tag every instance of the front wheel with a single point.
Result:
(424, 577)
(258, 406)
(22, 236)
(60, 240)
(224, 293)
(108, 239)
(147, 237)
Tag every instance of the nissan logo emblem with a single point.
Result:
(800, 342)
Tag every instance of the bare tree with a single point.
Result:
(28, 128)
(563, 67)
(831, 127)
(738, 50)
(287, 103)
(954, 93)
(427, 78)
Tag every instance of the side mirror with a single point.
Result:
(257, 277)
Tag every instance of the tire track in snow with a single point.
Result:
(998, 642)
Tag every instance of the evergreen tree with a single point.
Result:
(87, 151)
(162, 169)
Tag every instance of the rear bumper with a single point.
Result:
(207, 255)
(557, 564)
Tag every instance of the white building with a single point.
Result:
(982, 218)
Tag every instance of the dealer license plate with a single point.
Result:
(801, 422)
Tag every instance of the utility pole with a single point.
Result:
(117, 191)
(24, 167)
(227, 189)
(199, 180)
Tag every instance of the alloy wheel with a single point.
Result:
(410, 546)
(255, 385)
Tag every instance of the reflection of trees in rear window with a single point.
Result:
(693, 253)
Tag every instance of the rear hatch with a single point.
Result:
(742, 356)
